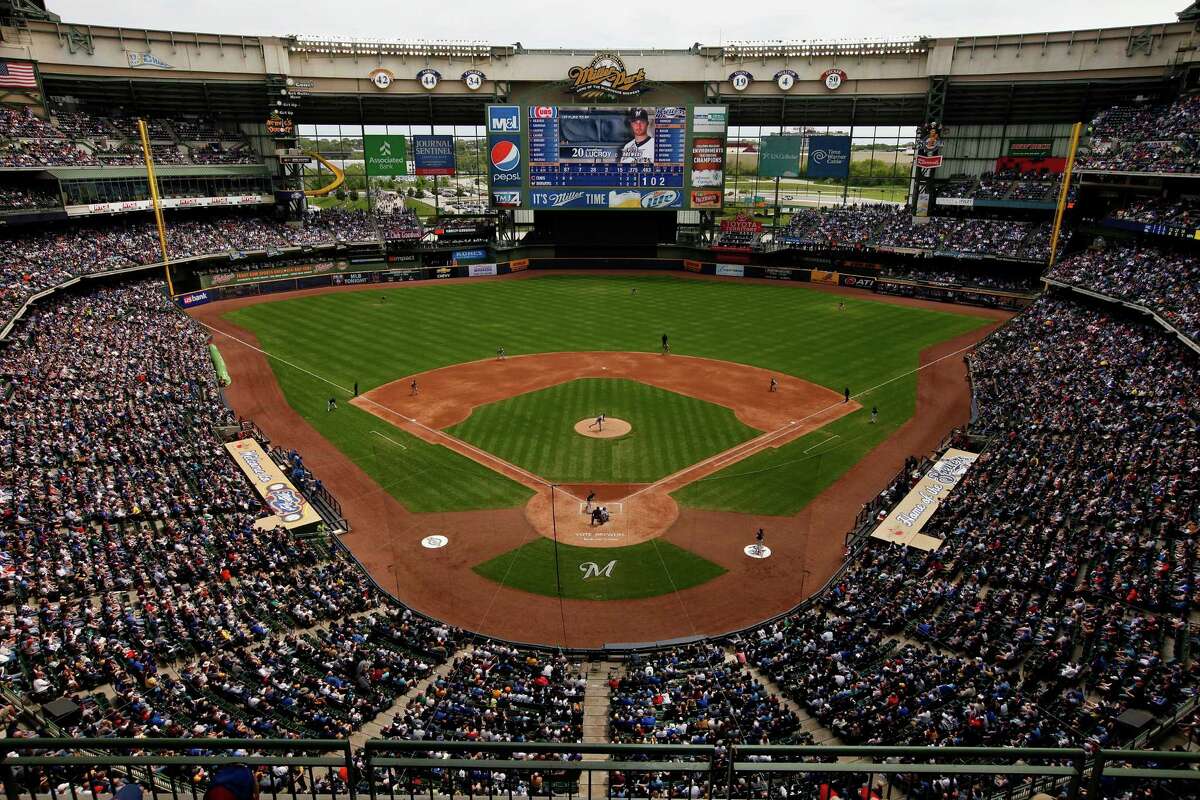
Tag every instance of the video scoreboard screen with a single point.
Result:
(600, 157)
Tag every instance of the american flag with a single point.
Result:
(17, 75)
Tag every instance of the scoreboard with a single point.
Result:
(602, 157)
(595, 147)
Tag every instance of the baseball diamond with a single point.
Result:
(498, 465)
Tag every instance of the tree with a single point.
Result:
(459, 192)
(340, 194)
(411, 192)
(354, 195)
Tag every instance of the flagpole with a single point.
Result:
(158, 217)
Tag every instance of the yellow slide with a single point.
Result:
(339, 177)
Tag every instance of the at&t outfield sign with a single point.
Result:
(385, 155)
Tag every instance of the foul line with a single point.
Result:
(483, 454)
(754, 445)
(732, 455)
(832, 436)
(390, 439)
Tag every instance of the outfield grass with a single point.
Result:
(535, 430)
(641, 570)
(354, 336)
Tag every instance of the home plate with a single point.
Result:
(613, 508)
(757, 551)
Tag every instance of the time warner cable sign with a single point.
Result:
(828, 156)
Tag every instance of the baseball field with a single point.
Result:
(478, 442)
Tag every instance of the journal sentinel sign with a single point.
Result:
(828, 156)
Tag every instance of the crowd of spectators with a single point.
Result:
(27, 198)
(35, 259)
(1006, 184)
(890, 226)
(1181, 212)
(1145, 138)
(128, 543)
(77, 138)
(400, 224)
(965, 276)
(1167, 282)
(693, 694)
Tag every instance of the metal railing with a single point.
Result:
(181, 769)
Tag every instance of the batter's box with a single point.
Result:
(613, 508)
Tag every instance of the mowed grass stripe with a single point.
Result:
(670, 431)
(356, 336)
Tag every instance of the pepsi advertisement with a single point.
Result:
(504, 157)
(828, 156)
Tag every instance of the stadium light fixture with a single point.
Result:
(337, 45)
(758, 49)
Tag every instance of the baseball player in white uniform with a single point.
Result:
(641, 147)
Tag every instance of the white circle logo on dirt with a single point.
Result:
(435, 542)
(757, 551)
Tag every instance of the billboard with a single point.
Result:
(649, 199)
(504, 160)
(433, 155)
(709, 119)
(385, 154)
(579, 147)
(1029, 147)
(708, 162)
(828, 156)
(291, 509)
(606, 157)
(504, 119)
(779, 156)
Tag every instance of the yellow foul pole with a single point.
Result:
(1065, 191)
(158, 217)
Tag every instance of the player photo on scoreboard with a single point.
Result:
(606, 136)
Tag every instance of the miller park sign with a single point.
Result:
(605, 77)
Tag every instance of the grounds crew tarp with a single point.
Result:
(904, 524)
(290, 507)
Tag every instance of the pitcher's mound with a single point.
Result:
(612, 428)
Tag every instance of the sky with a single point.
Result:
(670, 24)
